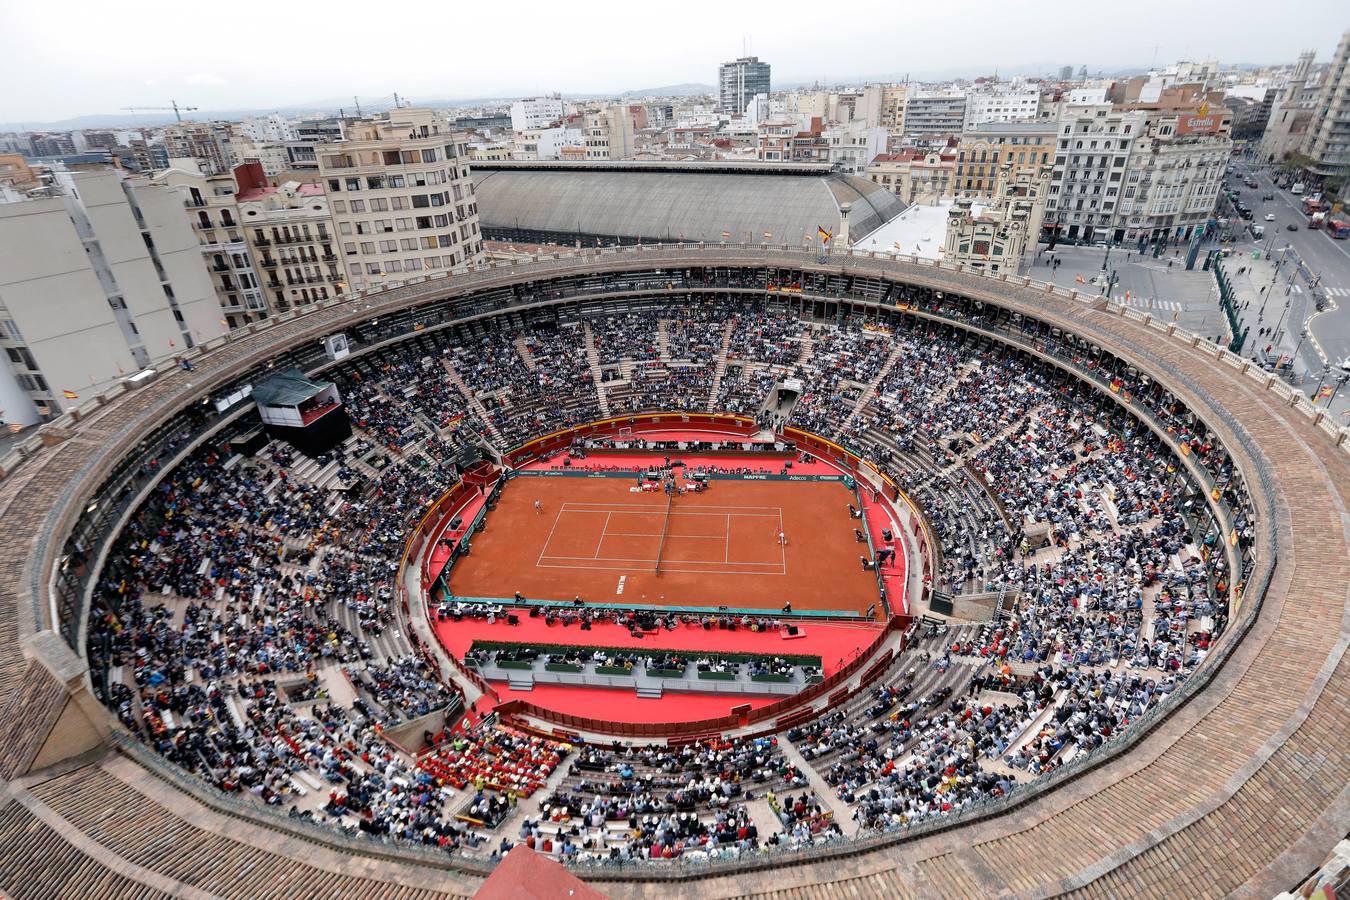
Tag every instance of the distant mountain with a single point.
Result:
(689, 89)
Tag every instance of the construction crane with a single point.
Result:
(175, 108)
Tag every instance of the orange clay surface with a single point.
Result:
(597, 540)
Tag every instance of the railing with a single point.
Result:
(703, 727)
(218, 362)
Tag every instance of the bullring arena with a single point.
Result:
(1060, 605)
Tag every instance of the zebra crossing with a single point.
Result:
(1143, 303)
(1336, 291)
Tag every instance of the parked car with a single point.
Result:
(1292, 226)
(1267, 196)
(1270, 217)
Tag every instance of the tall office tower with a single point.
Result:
(740, 80)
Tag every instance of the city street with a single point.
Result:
(1188, 298)
(1324, 257)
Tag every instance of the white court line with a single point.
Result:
(667, 569)
(603, 531)
(643, 559)
(576, 506)
(556, 517)
(726, 552)
(711, 537)
(782, 545)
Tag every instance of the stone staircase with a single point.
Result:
(526, 356)
(473, 401)
(593, 358)
(721, 369)
(871, 387)
(662, 341)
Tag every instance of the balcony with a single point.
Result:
(269, 263)
(329, 257)
(262, 242)
(219, 267)
(333, 278)
(274, 284)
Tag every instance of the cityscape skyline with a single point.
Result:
(78, 71)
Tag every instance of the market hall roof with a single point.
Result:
(672, 201)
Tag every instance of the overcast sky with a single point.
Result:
(85, 57)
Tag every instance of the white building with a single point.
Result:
(1003, 104)
(854, 145)
(401, 197)
(98, 280)
(1093, 146)
(536, 113)
(546, 143)
(270, 129)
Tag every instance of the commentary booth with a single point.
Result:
(308, 414)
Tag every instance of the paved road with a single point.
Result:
(1322, 254)
(1170, 292)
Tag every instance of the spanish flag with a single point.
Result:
(823, 234)
(1204, 109)
(70, 395)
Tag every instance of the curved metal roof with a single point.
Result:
(687, 203)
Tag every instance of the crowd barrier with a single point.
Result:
(707, 727)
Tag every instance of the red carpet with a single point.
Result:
(894, 572)
(615, 705)
(643, 458)
(834, 643)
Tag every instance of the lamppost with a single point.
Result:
(1340, 383)
(1279, 322)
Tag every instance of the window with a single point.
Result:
(408, 243)
(344, 227)
(368, 247)
(353, 184)
(398, 203)
(372, 268)
(420, 201)
(423, 221)
(358, 206)
(383, 225)
(396, 181)
(349, 248)
(388, 246)
(374, 182)
(363, 228)
(334, 185)
(393, 265)
(379, 204)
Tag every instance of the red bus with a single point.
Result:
(1338, 228)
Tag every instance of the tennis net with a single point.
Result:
(665, 526)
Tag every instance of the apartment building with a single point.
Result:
(853, 145)
(209, 143)
(610, 133)
(1002, 103)
(1328, 138)
(1175, 172)
(915, 176)
(984, 149)
(98, 279)
(401, 198)
(213, 209)
(290, 233)
(536, 112)
(1093, 145)
(935, 113)
(1291, 111)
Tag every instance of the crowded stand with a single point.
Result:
(245, 626)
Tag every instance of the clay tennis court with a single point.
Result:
(597, 540)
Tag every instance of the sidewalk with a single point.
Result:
(1271, 296)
